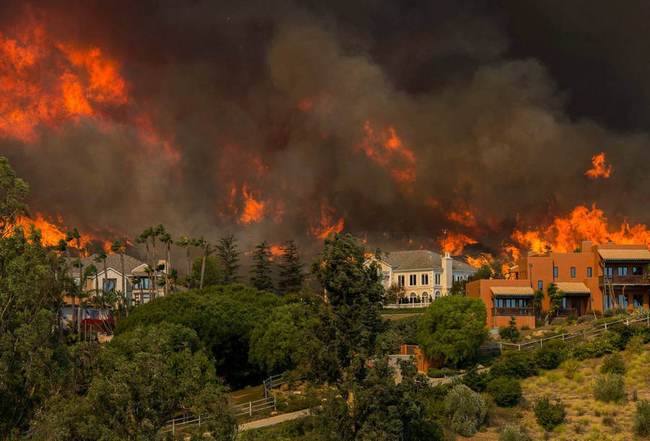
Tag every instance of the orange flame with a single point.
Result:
(51, 233)
(388, 150)
(600, 168)
(327, 226)
(454, 243)
(463, 217)
(253, 209)
(276, 251)
(43, 82)
(565, 234)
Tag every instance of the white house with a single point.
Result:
(423, 274)
(137, 279)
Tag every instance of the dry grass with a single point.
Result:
(587, 419)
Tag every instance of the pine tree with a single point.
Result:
(261, 273)
(291, 274)
(229, 258)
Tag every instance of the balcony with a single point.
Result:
(514, 311)
(643, 279)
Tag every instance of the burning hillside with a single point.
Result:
(304, 122)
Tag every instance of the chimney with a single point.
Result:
(585, 246)
(447, 274)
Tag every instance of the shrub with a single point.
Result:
(570, 367)
(506, 391)
(613, 364)
(609, 342)
(551, 354)
(514, 364)
(635, 344)
(548, 414)
(475, 380)
(466, 410)
(609, 387)
(513, 433)
(510, 332)
(641, 425)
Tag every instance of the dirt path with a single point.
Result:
(272, 421)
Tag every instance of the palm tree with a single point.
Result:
(166, 238)
(118, 247)
(144, 238)
(100, 257)
(187, 242)
(69, 237)
(207, 250)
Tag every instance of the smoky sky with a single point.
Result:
(503, 103)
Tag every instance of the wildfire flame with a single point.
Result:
(253, 210)
(52, 233)
(326, 225)
(455, 243)
(45, 82)
(463, 217)
(276, 251)
(387, 149)
(600, 168)
(565, 234)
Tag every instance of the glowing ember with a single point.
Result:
(455, 243)
(463, 217)
(387, 149)
(253, 210)
(600, 168)
(327, 226)
(565, 234)
(276, 251)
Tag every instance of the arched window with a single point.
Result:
(437, 294)
(412, 296)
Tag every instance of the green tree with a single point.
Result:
(187, 243)
(466, 410)
(174, 375)
(484, 272)
(222, 316)
(33, 356)
(166, 239)
(510, 332)
(291, 269)
(555, 299)
(549, 414)
(293, 336)
(354, 293)
(381, 409)
(452, 329)
(206, 247)
(13, 192)
(261, 272)
(229, 258)
(212, 271)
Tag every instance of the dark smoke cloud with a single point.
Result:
(503, 106)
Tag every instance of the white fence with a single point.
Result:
(596, 330)
(407, 305)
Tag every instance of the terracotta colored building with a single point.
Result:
(594, 278)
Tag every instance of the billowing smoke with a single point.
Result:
(277, 120)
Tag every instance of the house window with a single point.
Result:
(637, 270)
(400, 281)
(609, 271)
(590, 271)
(413, 279)
(556, 272)
(437, 278)
(142, 283)
(437, 294)
(607, 301)
(108, 285)
(540, 285)
(425, 279)
(622, 271)
(573, 272)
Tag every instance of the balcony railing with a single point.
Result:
(643, 279)
(515, 311)
(566, 312)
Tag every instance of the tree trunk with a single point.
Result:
(168, 267)
(189, 268)
(205, 256)
(154, 272)
(125, 291)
